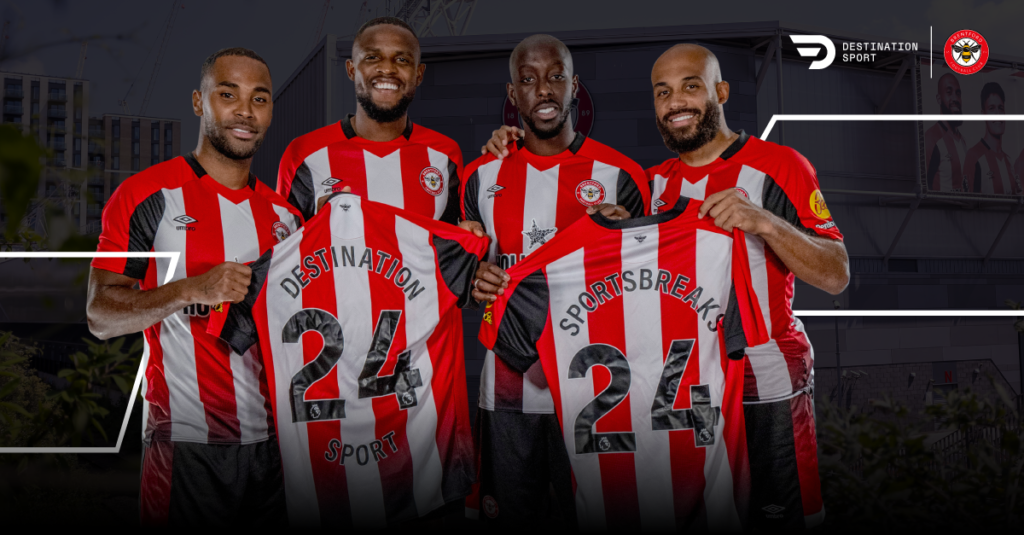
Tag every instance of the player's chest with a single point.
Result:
(746, 180)
(407, 175)
(207, 228)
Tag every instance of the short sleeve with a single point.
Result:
(129, 225)
(633, 193)
(458, 267)
(514, 323)
(744, 324)
(234, 322)
(792, 193)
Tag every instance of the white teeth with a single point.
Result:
(240, 130)
(385, 85)
(546, 110)
(681, 118)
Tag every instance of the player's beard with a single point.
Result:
(220, 142)
(381, 114)
(705, 131)
(551, 132)
(944, 110)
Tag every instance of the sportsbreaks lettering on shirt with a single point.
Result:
(374, 261)
(600, 293)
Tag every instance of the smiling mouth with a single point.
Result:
(547, 112)
(242, 132)
(386, 86)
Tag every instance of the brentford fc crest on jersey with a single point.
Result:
(432, 180)
(966, 52)
(281, 231)
(590, 192)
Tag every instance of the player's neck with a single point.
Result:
(233, 174)
(552, 146)
(711, 151)
(371, 130)
(994, 143)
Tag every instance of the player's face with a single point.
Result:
(949, 96)
(994, 105)
(543, 89)
(234, 106)
(386, 71)
(686, 101)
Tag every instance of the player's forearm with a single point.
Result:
(818, 261)
(115, 310)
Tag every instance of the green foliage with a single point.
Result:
(20, 168)
(880, 470)
(33, 414)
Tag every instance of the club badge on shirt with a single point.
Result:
(281, 231)
(432, 180)
(590, 192)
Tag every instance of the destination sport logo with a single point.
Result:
(810, 46)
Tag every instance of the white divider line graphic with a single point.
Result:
(173, 256)
(907, 313)
(885, 117)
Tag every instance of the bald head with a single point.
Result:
(694, 57)
(539, 44)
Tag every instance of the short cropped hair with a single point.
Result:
(234, 51)
(989, 89)
(394, 21)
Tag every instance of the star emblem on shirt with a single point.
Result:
(538, 235)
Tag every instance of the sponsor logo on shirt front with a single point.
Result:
(432, 181)
(538, 235)
(281, 231)
(818, 206)
(590, 192)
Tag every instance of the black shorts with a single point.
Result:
(524, 478)
(199, 485)
(785, 490)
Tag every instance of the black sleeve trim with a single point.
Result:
(301, 195)
(526, 314)
(471, 198)
(239, 329)
(775, 200)
(451, 208)
(732, 328)
(458, 267)
(142, 227)
(628, 195)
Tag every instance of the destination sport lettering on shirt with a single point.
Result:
(374, 260)
(600, 293)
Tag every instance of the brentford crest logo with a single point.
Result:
(966, 52)
(490, 506)
(432, 181)
(281, 231)
(590, 192)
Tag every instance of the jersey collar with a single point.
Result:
(350, 133)
(229, 193)
(657, 219)
(735, 147)
(574, 147)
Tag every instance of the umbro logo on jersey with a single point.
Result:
(658, 203)
(774, 511)
(538, 235)
(493, 190)
(185, 222)
(331, 181)
(639, 239)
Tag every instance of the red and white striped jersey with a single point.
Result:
(783, 182)
(419, 171)
(946, 151)
(989, 171)
(196, 389)
(632, 321)
(358, 321)
(522, 202)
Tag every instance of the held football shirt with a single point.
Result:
(196, 389)
(990, 171)
(783, 182)
(357, 319)
(523, 201)
(632, 321)
(417, 171)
